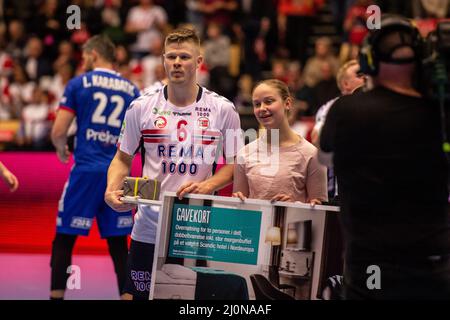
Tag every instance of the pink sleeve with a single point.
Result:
(316, 181)
(240, 182)
(231, 131)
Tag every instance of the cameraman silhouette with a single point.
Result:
(385, 145)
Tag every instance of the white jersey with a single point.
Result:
(181, 143)
(322, 113)
(152, 88)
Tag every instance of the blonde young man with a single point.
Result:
(182, 125)
(348, 80)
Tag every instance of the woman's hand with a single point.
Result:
(282, 197)
(313, 202)
(239, 195)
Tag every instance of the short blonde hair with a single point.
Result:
(182, 35)
(342, 73)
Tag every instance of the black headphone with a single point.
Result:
(369, 57)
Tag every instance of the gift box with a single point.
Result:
(143, 188)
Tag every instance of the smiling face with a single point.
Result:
(270, 104)
(181, 60)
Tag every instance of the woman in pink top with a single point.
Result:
(283, 168)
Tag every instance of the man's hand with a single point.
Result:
(281, 197)
(203, 187)
(112, 198)
(63, 154)
(10, 179)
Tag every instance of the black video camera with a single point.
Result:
(436, 63)
(432, 56)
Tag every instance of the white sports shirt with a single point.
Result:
(181, 143)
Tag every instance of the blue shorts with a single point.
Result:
(82, 200)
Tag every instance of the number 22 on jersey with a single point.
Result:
(114, 118)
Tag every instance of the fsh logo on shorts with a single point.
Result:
(81, 223)
(124, 222)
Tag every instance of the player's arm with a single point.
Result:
(60, 128)
(118, 169)
(221, 179)
(9, 178)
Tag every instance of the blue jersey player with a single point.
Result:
(98, 99)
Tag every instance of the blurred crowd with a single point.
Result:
(244, 41)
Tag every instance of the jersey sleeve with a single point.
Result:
(137, 93)
(130, 134)
(231, 130)
(240, 180)
(316, 181)
(68, 100)
(321, 115)
(328, 132)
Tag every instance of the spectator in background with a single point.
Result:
(9, 178)
(16, 39)
(339, 10)
(430, 9)
(243, 98)
(35, 122)
(146, 21)
(217, 60)
(35, 63)
(122, 64)
(57, 83)
(294, 76)
(6, 61)
(279, 70)
(194, 16)
(20, 90)
(259, 36)
(112, 22)
(90, 14)
(80, 36)
(295, 20)
(50, 26)
(312, 72)
(151, 61)
(355, 22)
(65, 56)
(21, 10)
(325, 90)
(221, 12)
(216, 47)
